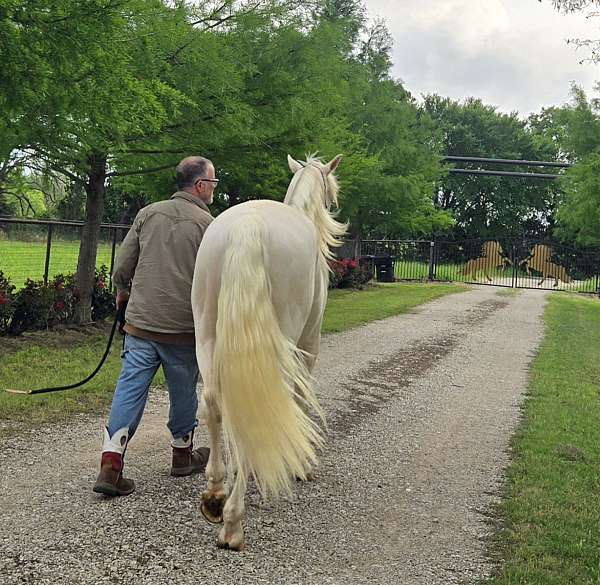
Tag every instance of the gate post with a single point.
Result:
(431, 276)
(48, 249)
(514, 267)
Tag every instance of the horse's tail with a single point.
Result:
(262, 380)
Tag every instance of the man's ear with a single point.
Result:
(294, 165)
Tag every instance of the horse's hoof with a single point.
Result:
(236, 546)
(212, 507)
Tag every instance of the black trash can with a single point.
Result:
(384, 268)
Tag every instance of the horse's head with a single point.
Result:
(313, 182)
(313, 189)
(491, 247)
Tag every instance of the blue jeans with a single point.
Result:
(141, 359)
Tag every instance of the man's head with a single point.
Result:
(196, 175)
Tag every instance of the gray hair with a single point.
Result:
(190, 169)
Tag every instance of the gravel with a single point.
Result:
(421, 408)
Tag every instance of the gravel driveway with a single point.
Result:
(421, 409)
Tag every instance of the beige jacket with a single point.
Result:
(156, 263)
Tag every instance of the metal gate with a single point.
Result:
(515, 263)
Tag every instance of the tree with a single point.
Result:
(122, 107)
(394, 165)
(491, 207)
(579, 213)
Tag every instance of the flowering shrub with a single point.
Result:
(348, 273)
(40, 306)
(65, 298)
(103, 301)
(7, 290)
(32, 307)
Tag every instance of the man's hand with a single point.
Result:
(122, 298)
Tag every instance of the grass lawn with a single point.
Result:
(22, 260)
(551, 513)
(57, 358)
(52, 358)
(347, 309)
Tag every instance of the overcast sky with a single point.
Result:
(510, 53)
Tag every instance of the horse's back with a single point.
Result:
(291, 256)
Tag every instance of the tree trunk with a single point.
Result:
(94, 209)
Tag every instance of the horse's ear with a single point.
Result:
(332, 164)
(294, 165)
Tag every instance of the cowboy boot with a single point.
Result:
(110, 481)
(186, 460)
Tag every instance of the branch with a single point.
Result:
(23, 200)
(142, 151)
(56, 166)
(140, 172)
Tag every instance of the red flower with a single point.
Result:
(59, 306)
(100, 284)
(3, 300)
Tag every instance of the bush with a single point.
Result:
(31, 307)
(349, 273)
(40, 306)
(7, 297)
(65, 298)
(103, 301)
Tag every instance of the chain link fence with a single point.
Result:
(39, 250)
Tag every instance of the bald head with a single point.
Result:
(191, 169)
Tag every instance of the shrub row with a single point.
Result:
(349, 273)
(41, 306)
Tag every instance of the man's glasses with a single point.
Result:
(215, 182)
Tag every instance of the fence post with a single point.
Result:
(112, 257)
(48, 250)
(431, 261)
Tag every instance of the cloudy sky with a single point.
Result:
(510, 53)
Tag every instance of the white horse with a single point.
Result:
(259, 293)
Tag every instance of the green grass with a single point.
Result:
(551, 512)
(347, 309)
(56, 358)
(21, 260)
(42, 359)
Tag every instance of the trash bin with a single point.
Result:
(384, 268)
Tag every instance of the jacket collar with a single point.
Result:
(189, 197)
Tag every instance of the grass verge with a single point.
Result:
(551, 516)
(53, 358)
(347, 309)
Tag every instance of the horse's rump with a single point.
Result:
(256, 285)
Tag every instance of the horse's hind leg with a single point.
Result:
(232, 533)
(214, 497)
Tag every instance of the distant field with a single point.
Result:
(23, 260)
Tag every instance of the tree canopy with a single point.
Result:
(99, 100)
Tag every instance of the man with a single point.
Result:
(153, 275)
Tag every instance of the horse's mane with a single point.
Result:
(306, 192)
